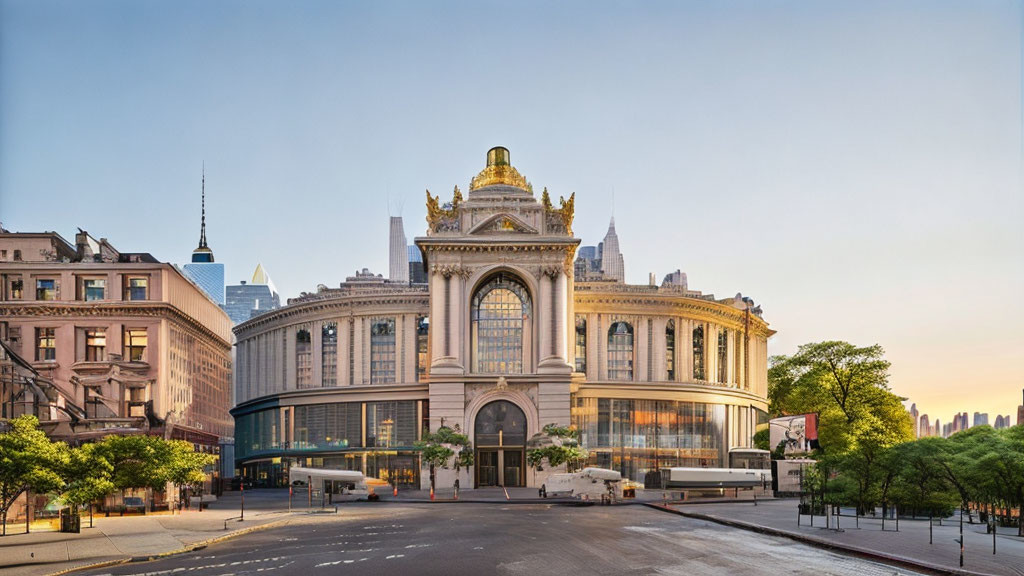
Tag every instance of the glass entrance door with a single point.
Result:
(512, 468)
(487, 468)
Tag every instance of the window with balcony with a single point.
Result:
(95, 345)
(46, 344)
(135, 341)
(46, 289)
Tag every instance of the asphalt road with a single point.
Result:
(503, 539)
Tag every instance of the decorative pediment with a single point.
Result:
(503, 223)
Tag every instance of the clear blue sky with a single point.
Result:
(854, 167)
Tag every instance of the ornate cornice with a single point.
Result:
(449, 270)
(693, 308)
(325, 309)
(74, 310)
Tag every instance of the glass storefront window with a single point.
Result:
(639, 436)
(382, 351)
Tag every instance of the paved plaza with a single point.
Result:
(523, 539)
(910, 543)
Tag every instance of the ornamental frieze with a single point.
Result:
(147, 310)
(449, 270)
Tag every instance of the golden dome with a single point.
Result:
(499, 170)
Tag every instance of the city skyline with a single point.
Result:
(858, 178)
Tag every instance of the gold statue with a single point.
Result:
(545, 199)
(567, 208)
(433, 210)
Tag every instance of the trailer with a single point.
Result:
(717, 478)
(591, 482)
(330, 481)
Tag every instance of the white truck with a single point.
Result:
(591, 482)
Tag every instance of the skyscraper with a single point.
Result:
(924, 428)
(417, 275)
(914, 417)
(980, 419)
(207, 274)
(612, 263)
(398, 252)
(243, 301)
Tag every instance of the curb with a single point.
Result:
(189, 548)
(883, 557)
(561, 501)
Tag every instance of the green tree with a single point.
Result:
(137, 462)
(558, 445)
(28, 461)
(86, 476)
(847, 387)
(444, 448)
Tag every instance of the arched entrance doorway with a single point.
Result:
(500, 439)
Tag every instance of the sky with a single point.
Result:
(855, 167)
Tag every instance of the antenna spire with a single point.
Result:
(202, 226)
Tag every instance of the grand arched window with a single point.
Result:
(620, 351)
(500, 316)
(670, 349)
(500, 423)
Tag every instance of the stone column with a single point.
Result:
(543, 321)
(660, 353)
(561, 318)
(358, 360)
(601, 325)
(593, 354)
(438, 307)
(291, 373)
(344, 325)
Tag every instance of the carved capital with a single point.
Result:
(551, 270)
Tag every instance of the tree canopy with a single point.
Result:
(848, 387)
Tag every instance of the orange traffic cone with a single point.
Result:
(395, 492)
(431, 493)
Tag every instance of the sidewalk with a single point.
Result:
(909, 546)
(135, 537)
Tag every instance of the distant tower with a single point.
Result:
(612, 263)
(398, 270)
(207, 274)
(914, 417)
(243, 301)
(924, 427)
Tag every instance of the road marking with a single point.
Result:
(395, 556)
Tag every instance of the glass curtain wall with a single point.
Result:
(639, 436)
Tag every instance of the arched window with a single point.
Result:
(698, 353)
(581, 344)
(723, 355)
(500, 326)
(670, 349)
(500, 423)
(303, 359)
(620, 351)
(329, 354)
(422, 331)
(382, 351)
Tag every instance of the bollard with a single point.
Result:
(994, 526)
(929, 528)
(395, 491)
(961, 536)
(431, 493)
(798, 515)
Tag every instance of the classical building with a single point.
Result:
(98, 342)
(500, 342)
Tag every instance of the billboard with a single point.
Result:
(798, 433)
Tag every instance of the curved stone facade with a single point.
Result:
(652, 377)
